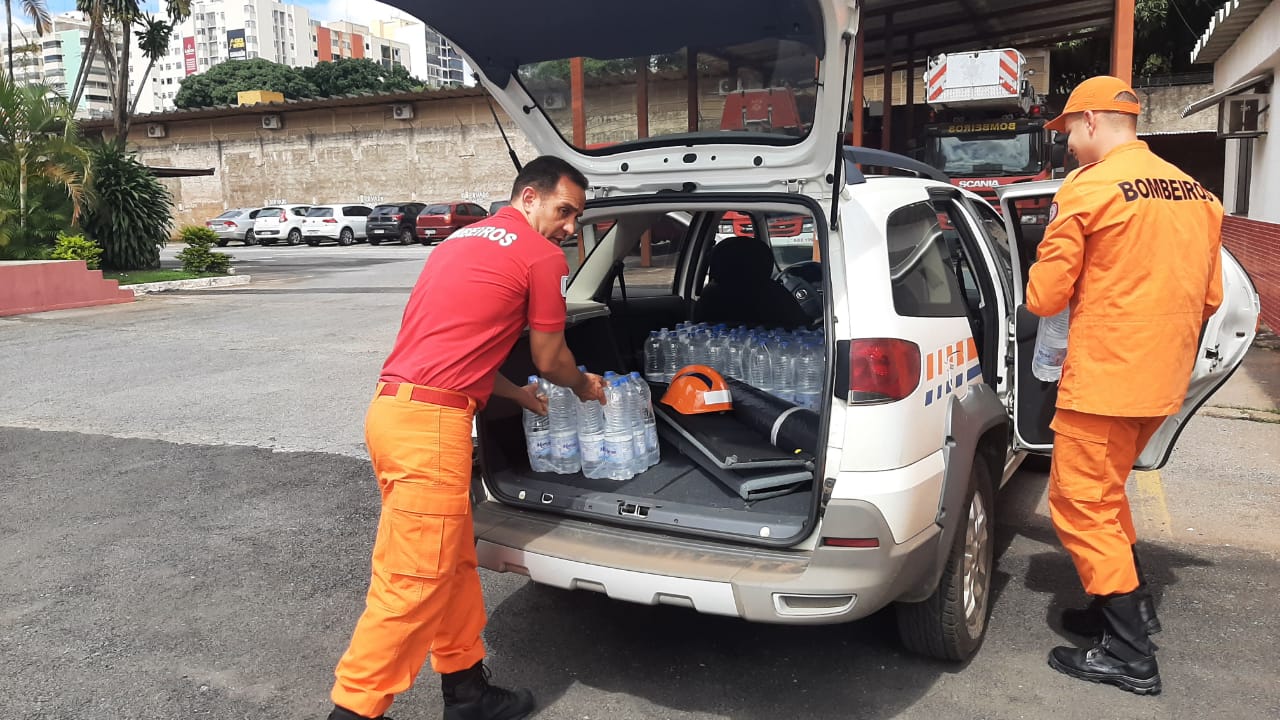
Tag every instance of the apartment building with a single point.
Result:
(55, 60)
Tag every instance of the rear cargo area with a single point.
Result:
(696, 488)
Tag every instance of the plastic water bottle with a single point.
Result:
(734, 349)
(809, 373)
(618, 440)
(718, 352)
(653, 356)
(784, 379)
(670, 355)
(562, 410)
(649, 422)
(699, 348)
(631, 395)
(591, 438)
(760, 367)
(537, 434)
(1051, 346)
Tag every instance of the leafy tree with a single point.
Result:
(132, 212)
(1165, 32)
(125, 19)
(43, 166)
(220, 83)
(359, 75)
(38, 11)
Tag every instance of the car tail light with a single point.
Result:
(398, 217)
(852, 542)
(283, 217)
(330, 220)
(877, 370)
(229, 224)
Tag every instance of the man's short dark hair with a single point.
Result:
(543, 173)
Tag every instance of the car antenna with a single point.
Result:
(488, 98)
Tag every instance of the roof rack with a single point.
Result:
(855, 156)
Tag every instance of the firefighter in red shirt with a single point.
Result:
(476, 294)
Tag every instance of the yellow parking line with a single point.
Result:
(1152, 510)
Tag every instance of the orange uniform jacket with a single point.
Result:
(1134, 245)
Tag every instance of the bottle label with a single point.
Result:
(592, 448)
(564, 446)
(539, 443)
(617, 450)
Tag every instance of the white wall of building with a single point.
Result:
(1257, 50)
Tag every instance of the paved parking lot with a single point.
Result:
(188, 517)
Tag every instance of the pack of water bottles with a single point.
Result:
(789, 364)
(617, 440)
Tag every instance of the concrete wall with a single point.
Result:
(451, 149)
(1256, 50)
(1162, 110)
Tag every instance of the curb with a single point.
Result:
(195, 284)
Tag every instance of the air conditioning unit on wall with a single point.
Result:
(155, 130)
(1243, 116)
(552, 101)
(271, 122)
(402, 111)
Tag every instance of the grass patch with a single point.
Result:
(134, 277)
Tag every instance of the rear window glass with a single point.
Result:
(436, 210)
(270, 211)
(230, 213)
(320, 212)
(920, 269)
(386, 210)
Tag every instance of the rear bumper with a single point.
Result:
(822, 586)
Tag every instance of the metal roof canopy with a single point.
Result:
(935, 26)
(1218, 97)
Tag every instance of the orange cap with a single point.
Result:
(1098, 93)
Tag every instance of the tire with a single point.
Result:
(223, 243)
(346, 237)
(249, 238)
(375, 243)
(313, 243)
(952, 623)
(406, 237)
(295, 237)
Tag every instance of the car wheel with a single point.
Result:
(406, 237)
(249, 238)
(374, 242)
(346, 237)
(295, 236)
(223, 243)
(952, 623)
(313, 243)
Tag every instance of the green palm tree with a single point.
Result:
(38, 11)
(40, 151)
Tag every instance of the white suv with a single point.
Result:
(929, 402)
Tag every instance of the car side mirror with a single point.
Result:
(1058, 151)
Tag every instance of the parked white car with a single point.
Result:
(234, 224)
(927, 403)
(276, 223)
(344, 224)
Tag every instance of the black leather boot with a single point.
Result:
(1124, 657)
(341, 713)
(1087, 621)
(469, 696)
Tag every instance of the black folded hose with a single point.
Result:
(787, 426)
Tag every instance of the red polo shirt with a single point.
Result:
(477, 292)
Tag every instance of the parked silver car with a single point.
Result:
(235, 224)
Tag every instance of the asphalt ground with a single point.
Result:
(187, 519)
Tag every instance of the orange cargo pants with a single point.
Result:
(1092, 457)
(425, 594)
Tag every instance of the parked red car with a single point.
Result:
(438, 221)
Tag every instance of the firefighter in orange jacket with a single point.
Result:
(1133, 246)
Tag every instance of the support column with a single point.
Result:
(886, 121)
(910, 127)
(691, 66)
(642, 97)
(578, 88)
(1122, 41)
(856, 96)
